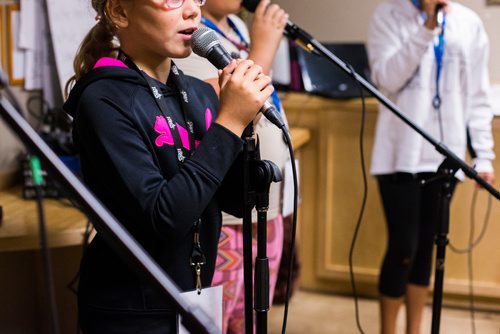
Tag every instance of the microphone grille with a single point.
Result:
(250, 5)
(203, 39)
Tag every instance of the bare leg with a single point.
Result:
(416, 298)
(389, 308)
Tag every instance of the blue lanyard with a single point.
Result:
(416, 3)
(243, 45)
(438, 54)
(439, 43)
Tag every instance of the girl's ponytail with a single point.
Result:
(99, 42)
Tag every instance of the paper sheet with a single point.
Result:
(210, 301)
(69, 22)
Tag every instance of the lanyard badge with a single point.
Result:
(439, 43)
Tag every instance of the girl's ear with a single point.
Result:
(117, 13)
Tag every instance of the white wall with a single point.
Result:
(347, 20)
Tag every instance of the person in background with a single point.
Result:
(160, 152)
(435, 68)
(259, 44)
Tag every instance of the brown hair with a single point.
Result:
(99, 42)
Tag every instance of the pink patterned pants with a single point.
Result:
(229, 269)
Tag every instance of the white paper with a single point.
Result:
(69, 22)
(33, 24)
(281, 64)
(288, 191)
(210, 301)
(29, 20)
(17, 52)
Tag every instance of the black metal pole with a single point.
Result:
(445, 177)
(122, 242)
(249, 156)
(265, 172)
(47, 263)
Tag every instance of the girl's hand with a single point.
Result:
(244, 89)
(429, 7)
(266, 31)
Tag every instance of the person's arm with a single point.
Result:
(480, 114)
(169, 206)
(266, 31)
(394, 61)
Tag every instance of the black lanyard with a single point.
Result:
(155, 89)
(197, 258)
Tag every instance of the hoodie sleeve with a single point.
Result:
(122, 169)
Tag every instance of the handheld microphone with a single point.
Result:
(292, 31)
(439, 14)
(206, 44)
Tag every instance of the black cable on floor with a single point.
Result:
(44, 247)
(363, 203)
(469, 251)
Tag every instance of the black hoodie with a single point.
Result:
(130, 164)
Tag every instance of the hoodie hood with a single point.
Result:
(113, 72)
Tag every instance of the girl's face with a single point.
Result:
(153, 30)
(221, 8)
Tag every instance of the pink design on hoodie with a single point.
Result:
(165, 137)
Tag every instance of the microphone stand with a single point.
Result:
(445, 175)
(118, 238)
(265, 172)
(249, 155)
(257, 179)
(446, 170)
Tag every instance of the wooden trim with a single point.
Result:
(8, 179)
(10, 45)
(300, 137)
(2, 39)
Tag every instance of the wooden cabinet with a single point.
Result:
(332, 191)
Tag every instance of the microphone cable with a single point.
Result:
(36, 174)
(469, 250)
(44, 245)
(294, 226)
(473, 243)
(365, 196)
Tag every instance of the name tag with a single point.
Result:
(210, 301)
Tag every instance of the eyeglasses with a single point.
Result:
(178, 3)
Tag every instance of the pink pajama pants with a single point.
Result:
(229, 269)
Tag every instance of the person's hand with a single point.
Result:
(429, 7)
(244, 89)
(487, 176)
(266, 31)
